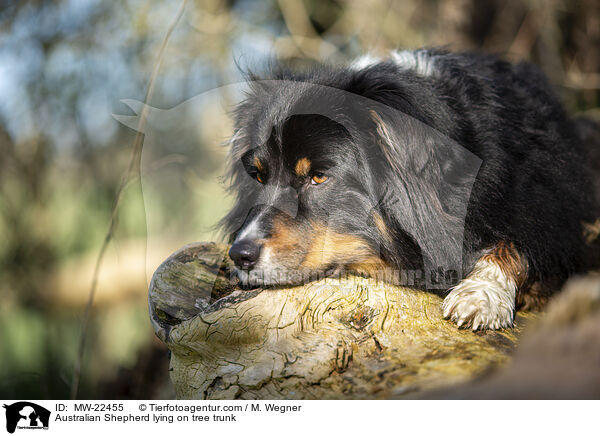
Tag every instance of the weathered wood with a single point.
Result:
(334, 338)
(558, 358)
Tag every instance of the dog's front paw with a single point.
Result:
(478, 303)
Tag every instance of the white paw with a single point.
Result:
(483, 300)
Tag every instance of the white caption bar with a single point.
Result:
(297, 417)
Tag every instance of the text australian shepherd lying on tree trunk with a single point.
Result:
(462, 169)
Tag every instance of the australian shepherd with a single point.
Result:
(437, 170)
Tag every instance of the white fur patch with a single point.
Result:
(418, 61)
(364, 62)
(485, 299)
(250, 230)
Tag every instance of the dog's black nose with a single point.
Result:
(244, 253)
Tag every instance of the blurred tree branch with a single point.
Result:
(131, 173)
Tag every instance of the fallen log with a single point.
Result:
(334, 338)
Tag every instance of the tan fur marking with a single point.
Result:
(303, 167)
(329, 248)
(380, 224)
(508, 259)
(258, 164)
(370, 266)
(591, 231)
(533, 297)
(321, 249)
(284, 240)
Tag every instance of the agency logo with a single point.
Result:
(26, 415)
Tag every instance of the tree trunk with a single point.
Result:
(334, 338)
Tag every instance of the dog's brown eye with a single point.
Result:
(318, 178)
(259, 178)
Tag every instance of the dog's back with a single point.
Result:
(533, 187)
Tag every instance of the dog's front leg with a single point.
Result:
(485, 299)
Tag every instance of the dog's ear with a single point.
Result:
(430, 177)
(410, 146)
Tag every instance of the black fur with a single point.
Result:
(408, 146)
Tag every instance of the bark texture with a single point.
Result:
(333, 338)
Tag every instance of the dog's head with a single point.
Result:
(326, 176)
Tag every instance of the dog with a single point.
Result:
(460, 170)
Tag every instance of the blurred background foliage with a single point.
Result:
(66, 65)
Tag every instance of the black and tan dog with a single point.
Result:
(458, 170)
